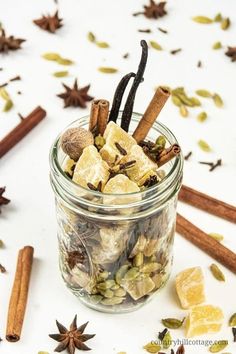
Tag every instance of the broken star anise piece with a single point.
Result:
(9, 43)
(72, 338)
(3, 200)
(153, 10)
(49, 23)
(231, 52)
(75, 97)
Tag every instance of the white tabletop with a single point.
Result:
(30, 217)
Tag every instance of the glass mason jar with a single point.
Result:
(115, 251)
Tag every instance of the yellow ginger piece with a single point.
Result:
(142, 166)
(91, 168)
(120, 184)
(68, 166)
(115, 134)
(204, 319)
(190, 287)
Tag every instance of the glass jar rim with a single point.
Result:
(173, 174)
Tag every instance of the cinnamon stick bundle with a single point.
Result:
(207, 203)
(209, 245)
(21, 130)
(154, 108)
(168, 154)
(99, 116)
(19, 295)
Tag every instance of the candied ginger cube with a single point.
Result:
(90, 168)
(115, 134)
(190, 287)
(142, 165)
(204, 319)
(120, 184)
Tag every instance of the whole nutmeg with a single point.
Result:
(74, 140)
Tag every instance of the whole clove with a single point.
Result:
(186, 157)
(212, 165)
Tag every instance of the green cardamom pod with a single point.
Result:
(121, 272)
(172, 323)
(202, 19)
(178, 90)
(183, 111)
(1, 244)
(218, 100)
(113, 301)
(217, 45)
(138, 259)
(218, 346)
(218, 17)
(175, 99)
(131, 274)
(115, 287)
(4, 94)
(204, 93)
(8, 106)
(102, 44)
(204, 146)
(232, 320)
(107, 293)
(63, 61)
(95, 299)
(51, 56)
(195, 101)
(185, 99)
(225, 23)
(161, 141)
(150, 267)
(61, 73)
(91, 37)
(152, 347)
(155, 45)
(201, 117)
(216, 272)
(167, 341)
(216, 236)
(107, 70)
(99, 141)
(120, 292)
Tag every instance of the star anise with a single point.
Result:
(49, 23)
(72, 338)
(75, 97)
(231, 52)
(153, 10)
(3, 200)
(9, 43)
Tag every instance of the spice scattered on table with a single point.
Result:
(180, 350)
(212, 165)
(234, 334)
(232, 320)
(2, 269)
(224, 22)
(188, 155)
(204, 146)
(71, 338)
(92, 38)
(75, 96)
(231, 52)
(19, 294)
(217, 45)
(162, 30)
(107, 70)
(9, 43)
(8, 101)
(57, 58)
(217, 272)
(155, 45)
(152, 347)
(175, 51)
(3, 200)
(147, 30)
(218, 346)
(153, 10)
(172, 323)
(216, 236)
(50, 23)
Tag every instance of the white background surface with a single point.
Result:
(30, 218)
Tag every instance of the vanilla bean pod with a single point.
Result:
(127, 113)
(118, 96)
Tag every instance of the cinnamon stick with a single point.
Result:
(155, 106)
(206, 243)
(21, 130)
(18, 300)
(207, 203)
(99, 115)
(168, 154)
